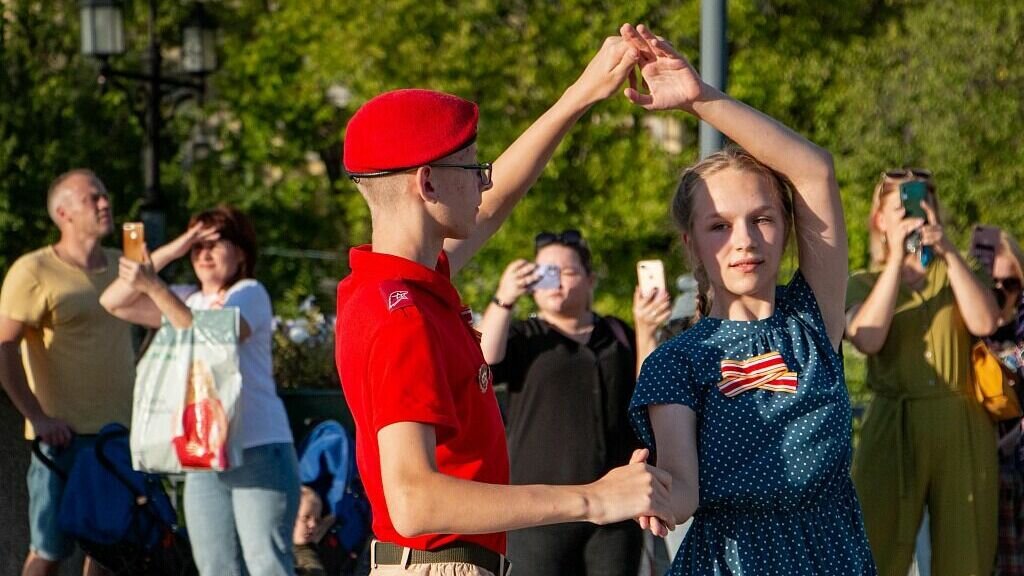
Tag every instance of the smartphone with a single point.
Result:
(134, 240)
(984, 241)
(650, 275)
(549, 277)
(911, 195)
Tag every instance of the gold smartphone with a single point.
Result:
(650, 275)
(134, 240)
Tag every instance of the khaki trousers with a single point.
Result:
(440, 569)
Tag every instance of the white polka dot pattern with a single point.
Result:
(776, 496)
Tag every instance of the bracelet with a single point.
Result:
(505, 305)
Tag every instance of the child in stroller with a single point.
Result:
(333, 524)
(311, 525)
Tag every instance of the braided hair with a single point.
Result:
(682, 204)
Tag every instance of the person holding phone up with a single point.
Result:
(926, 440)
(1000, 253)
(570, 374)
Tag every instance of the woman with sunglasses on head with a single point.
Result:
(1007, 342)
(240, 521)
(570, 373)
(926, 441)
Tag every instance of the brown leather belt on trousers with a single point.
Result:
(388, 554)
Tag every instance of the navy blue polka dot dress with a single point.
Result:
(776, 496)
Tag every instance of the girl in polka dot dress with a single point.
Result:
(748, 410)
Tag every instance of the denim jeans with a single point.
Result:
(45, 490)
(240, 521)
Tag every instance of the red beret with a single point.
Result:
(407, 128)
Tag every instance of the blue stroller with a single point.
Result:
(121, 518)
(327, 465)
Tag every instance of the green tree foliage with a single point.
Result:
(881, 83)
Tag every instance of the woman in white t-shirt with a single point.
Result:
(245, 515)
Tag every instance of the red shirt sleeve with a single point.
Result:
(406, 375)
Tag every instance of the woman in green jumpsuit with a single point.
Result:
(925, 440)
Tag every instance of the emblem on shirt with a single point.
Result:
(396, 295)
(483, 377)
(396, 298)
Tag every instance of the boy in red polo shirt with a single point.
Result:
(430, 445)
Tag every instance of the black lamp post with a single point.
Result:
(103, 37)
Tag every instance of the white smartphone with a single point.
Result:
(650, 276)
(549, 277)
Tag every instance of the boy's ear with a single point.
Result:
(424, 185)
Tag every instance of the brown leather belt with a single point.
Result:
(387, 553)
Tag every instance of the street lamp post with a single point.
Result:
(103, 37)
(714, 64)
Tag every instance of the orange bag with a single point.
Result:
(993, 386)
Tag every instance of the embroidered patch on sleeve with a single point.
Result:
(396, 295)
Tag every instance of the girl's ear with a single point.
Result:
(685, 237)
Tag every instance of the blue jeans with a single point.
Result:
(241, 521)
(45, 490)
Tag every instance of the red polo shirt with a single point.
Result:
(406, 352)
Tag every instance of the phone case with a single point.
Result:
(984, 242)
(650, 275)
(134, 240)
(912, 194)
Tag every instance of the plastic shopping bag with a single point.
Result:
(186, 397)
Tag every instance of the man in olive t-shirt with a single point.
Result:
(65, 362)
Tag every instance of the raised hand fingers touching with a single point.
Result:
(645, 52)
(607, 70)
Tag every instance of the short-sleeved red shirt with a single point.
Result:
(406, 352)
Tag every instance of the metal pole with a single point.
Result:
(714, 64)
(152, 213)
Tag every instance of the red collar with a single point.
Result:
(371, 265)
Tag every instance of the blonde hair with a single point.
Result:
(682, 203)
(1008, 245)
(887, 185)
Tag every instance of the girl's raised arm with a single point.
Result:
(820, 229)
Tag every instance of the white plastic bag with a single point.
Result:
(187, 389)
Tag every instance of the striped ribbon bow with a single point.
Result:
(767, 372)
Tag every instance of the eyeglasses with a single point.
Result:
(483, 171)
(908, 173)
(566, 237)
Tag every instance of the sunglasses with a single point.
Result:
(908, 173)
(1004, 287)
(566, 238)
(1010, 284)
